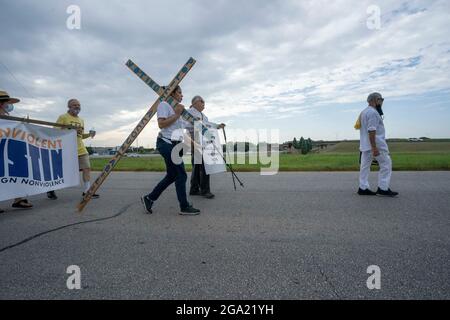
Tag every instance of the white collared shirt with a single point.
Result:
(372, 121)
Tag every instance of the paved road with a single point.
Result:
(288, 236)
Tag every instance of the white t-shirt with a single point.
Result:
(372, 121)
(175, 130)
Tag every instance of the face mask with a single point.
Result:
(8, 108)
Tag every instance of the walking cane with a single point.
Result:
(233, 174)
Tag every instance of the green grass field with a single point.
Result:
(406, 156)
(395, 147)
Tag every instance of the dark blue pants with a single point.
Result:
(175, 173)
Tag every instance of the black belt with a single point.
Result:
(164, 138)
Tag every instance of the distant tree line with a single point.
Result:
(240, 146)
(304, 145)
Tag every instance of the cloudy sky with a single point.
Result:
(303, 67)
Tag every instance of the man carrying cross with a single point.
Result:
(200, 182)
(170, 135)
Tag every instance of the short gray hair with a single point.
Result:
(373, 96)
(195, 98)
(70, 101)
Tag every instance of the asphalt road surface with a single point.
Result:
(287, 236)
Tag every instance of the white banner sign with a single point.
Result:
(35, 159)
(212, 153)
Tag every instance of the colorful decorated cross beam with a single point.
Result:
(158, 89)
(164, 95)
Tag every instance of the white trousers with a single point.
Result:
(384, 175)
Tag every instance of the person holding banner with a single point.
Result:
(72, 118)
(170, 135)
(7, 106)
(200, 182)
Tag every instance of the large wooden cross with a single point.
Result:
(152, 84)
(164, 95)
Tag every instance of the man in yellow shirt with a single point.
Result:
(72, 118)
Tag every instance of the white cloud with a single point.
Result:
(258, 57)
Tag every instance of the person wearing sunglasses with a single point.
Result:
(373, 145)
